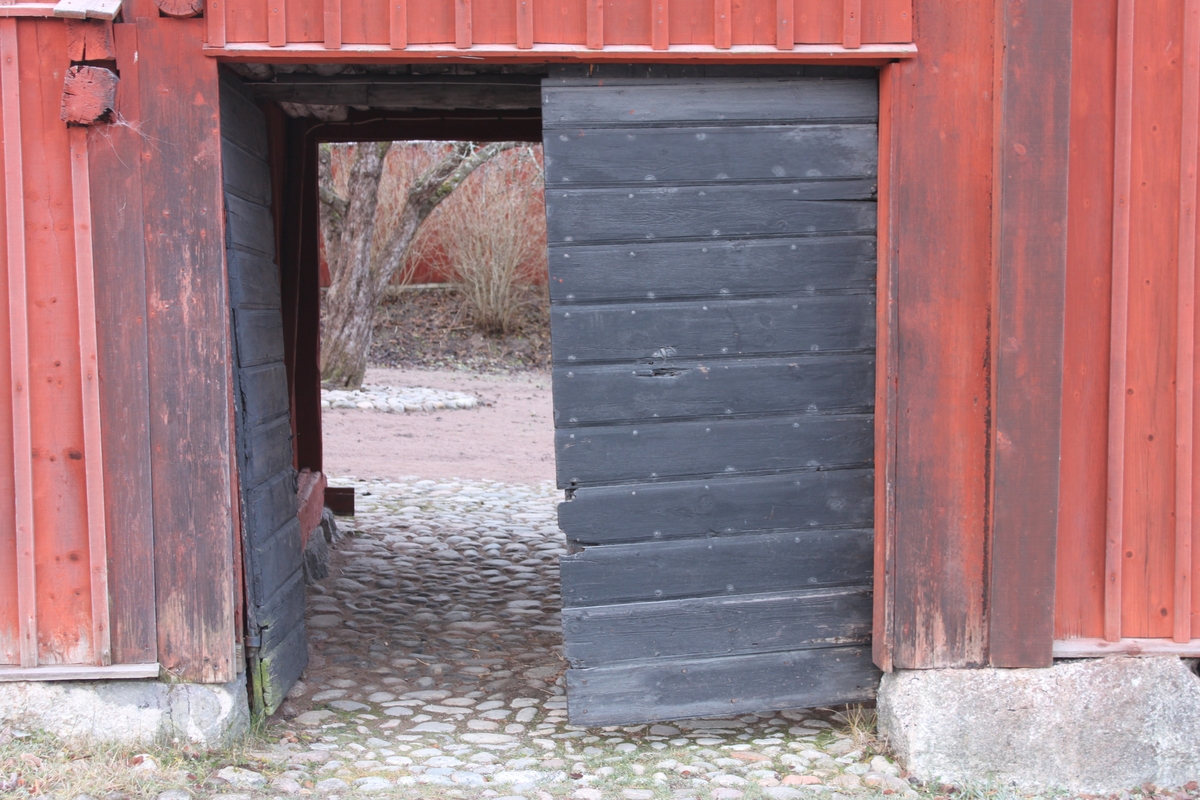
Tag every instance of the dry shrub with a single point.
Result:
(490, 235)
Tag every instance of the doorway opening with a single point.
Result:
(712, 248)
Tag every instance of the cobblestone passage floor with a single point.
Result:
(437, 672)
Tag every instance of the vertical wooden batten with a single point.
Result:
(1119, 335)
(1186, 348)
(398, 24)
(462, 24)
(883, 634)
(524, 24)
(14, 197)
(595, 24)
(93, 452)
(277, 23)
(785, 24)
(214, 18)
(333, 24)
(722, 24)
(852, 24)
(660, 28)
(1032, 127)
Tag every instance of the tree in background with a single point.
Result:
(365, 251)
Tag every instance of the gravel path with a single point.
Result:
(437, 672)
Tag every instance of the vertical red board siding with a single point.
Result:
(120, 264)
(1029, 264)
(55, 390)
(1147, 576)
(305, 20)
(818, 22)
(627, 22)
(10, 641)
(562, 21)
(754, 21)
(431, 22)
(366, 21)
(494, 21)
(188, 351)
(1079, 595)
(941, 220)
(886, 21)
(691, 21)
(247, 21)
(883, 640)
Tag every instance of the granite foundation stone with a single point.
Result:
(1092, 726)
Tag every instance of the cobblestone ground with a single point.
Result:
(436, 671)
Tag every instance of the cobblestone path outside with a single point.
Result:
(437, 672)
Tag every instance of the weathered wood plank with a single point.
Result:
(710, 212)
(240, 116)
(689, 509)
(263, 393)
(246, 175)
(659, 333)
(118, 247)
(674, 270)
(269, 505)
(718, 565)
(687, 688)
(624, 453)
(483, 92)
(259, 336)
(276, 557)
(730, 101)
(253, 281)
(281, 666)
(1029, 302)
(717, 626)
(267, 449)
(642, 156)
(591, 395)
(188, 334)
(250, 226)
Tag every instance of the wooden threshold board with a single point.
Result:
(79, 672)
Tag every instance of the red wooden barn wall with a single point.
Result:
(984, 555)
(117, 536)
(1126, 546)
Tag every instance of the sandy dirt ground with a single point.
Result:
(509, 438)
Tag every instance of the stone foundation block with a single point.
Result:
(129, 712)
(1090, 726)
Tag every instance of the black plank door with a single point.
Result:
(276, 641)
(712, 272)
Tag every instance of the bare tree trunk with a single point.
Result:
(358, 286)
(346, 335)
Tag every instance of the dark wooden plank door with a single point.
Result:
(712, 273)
(276, 641)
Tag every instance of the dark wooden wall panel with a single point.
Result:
(700, 508)
(271, 534)
(189, 349)
(1030, 265)
(714, 387)
(121, 314)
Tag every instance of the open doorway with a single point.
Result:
(712, 250)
